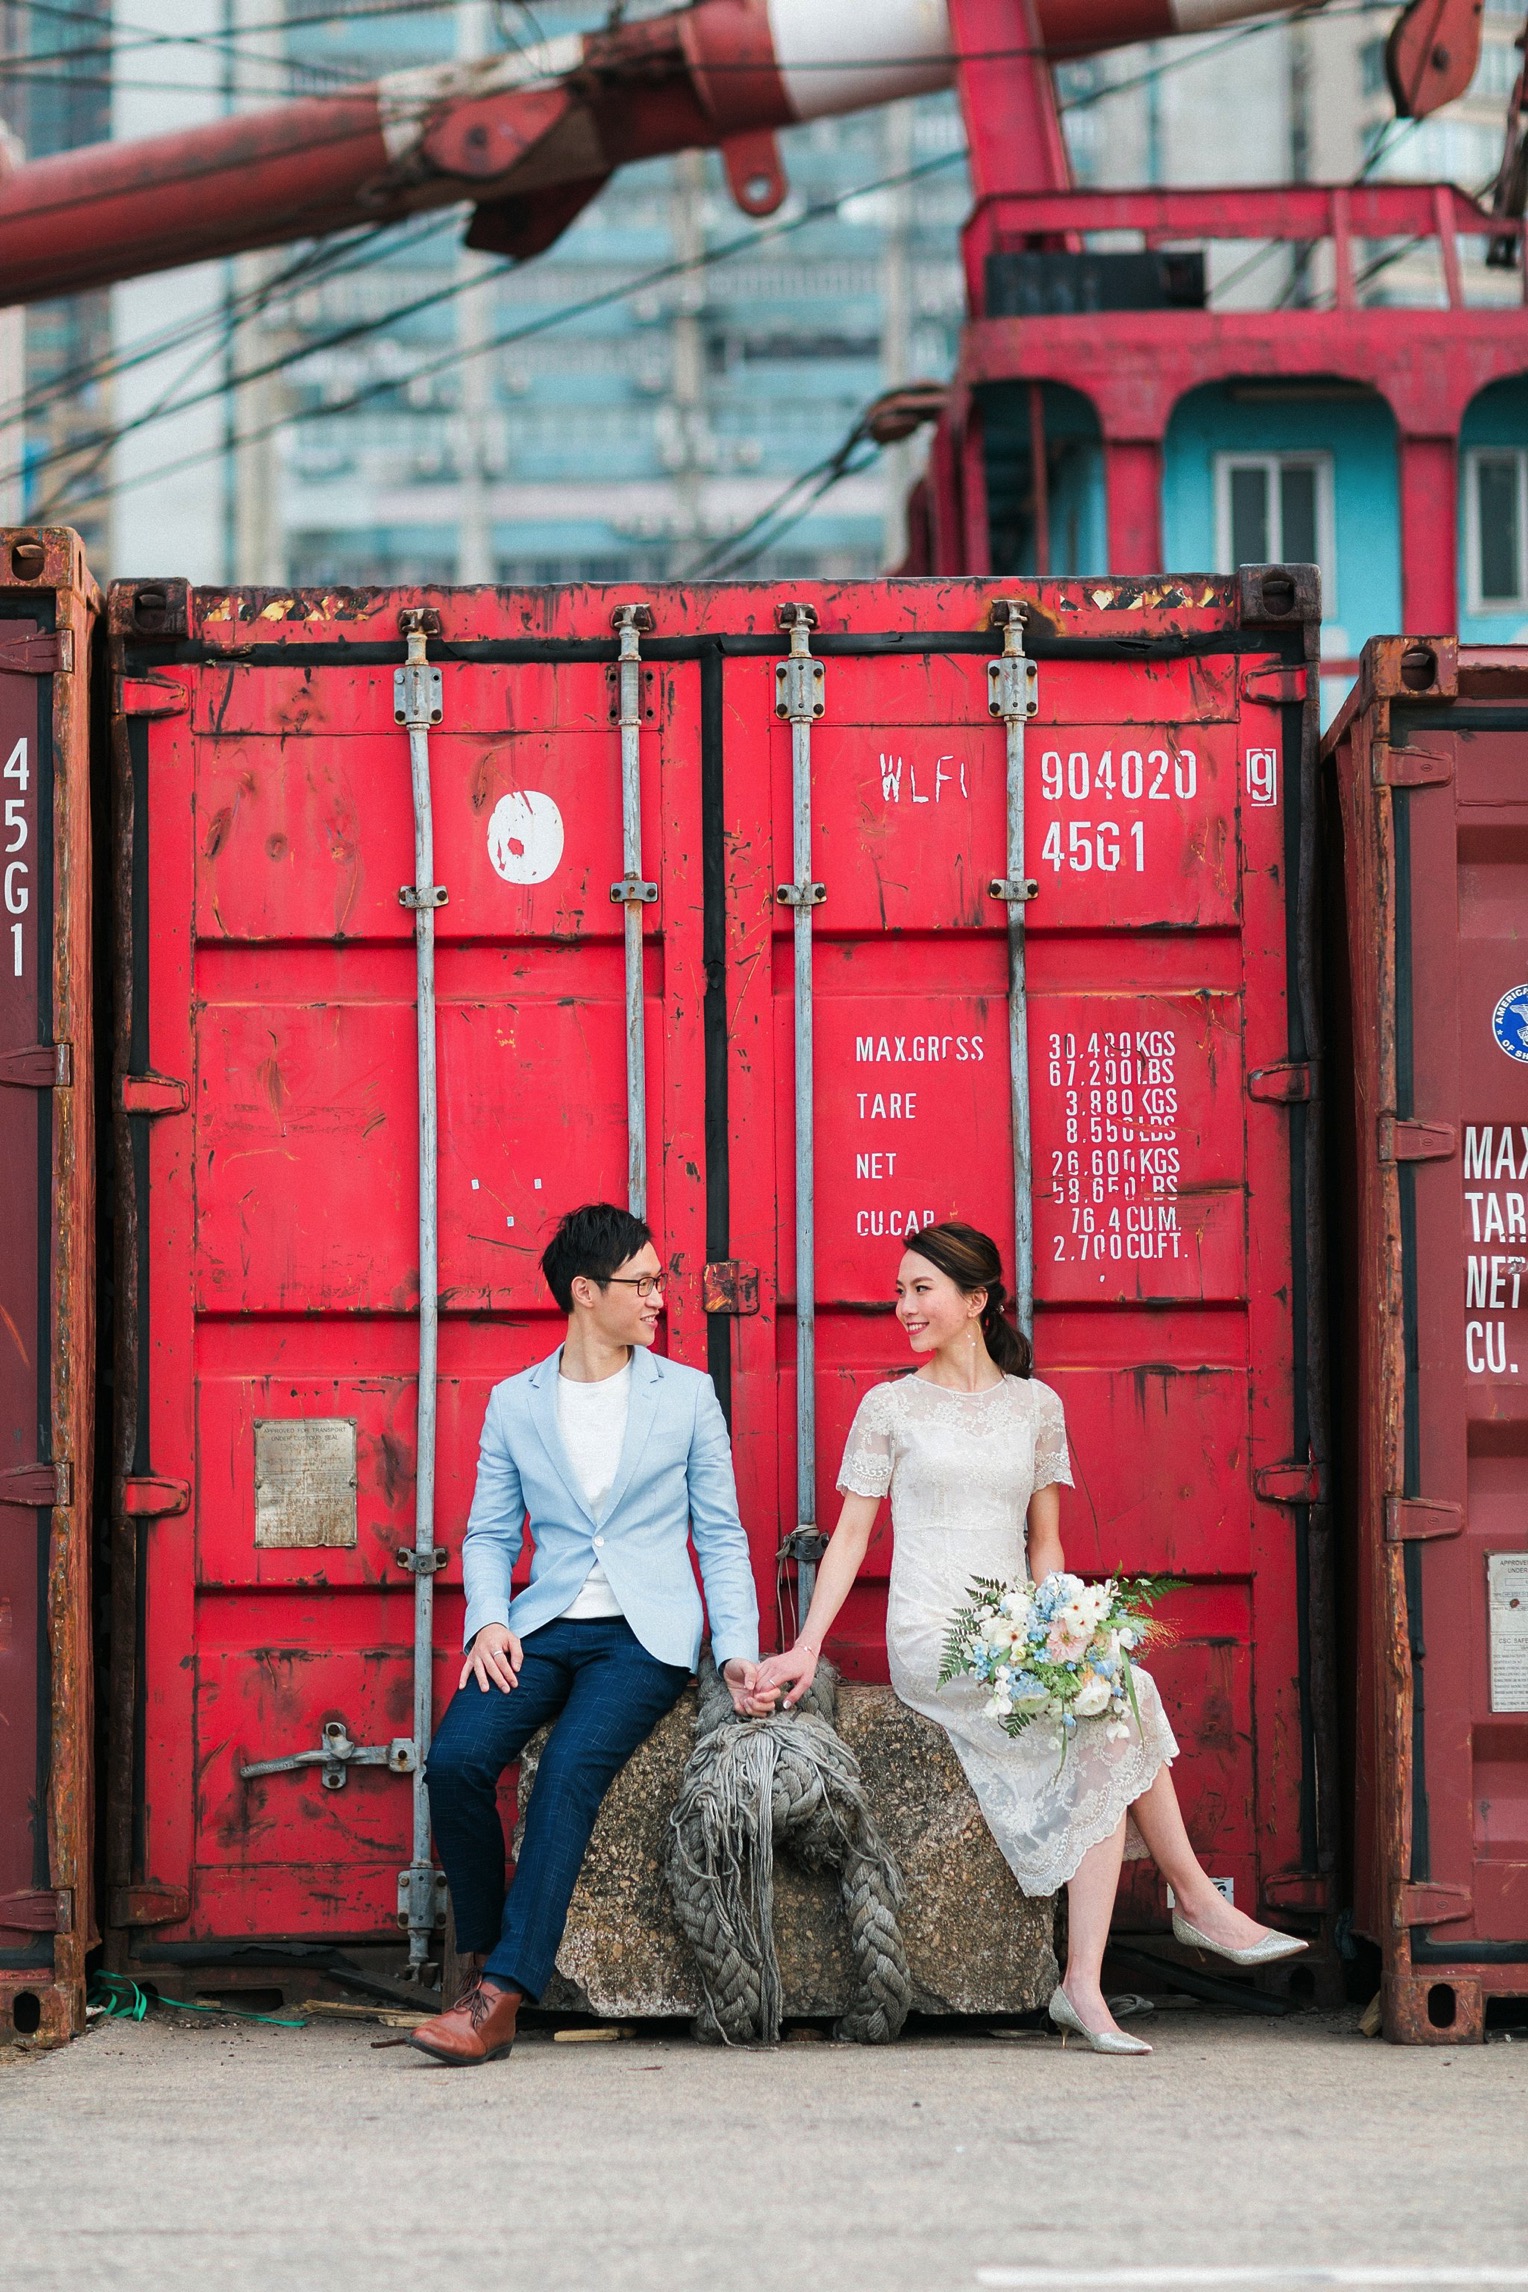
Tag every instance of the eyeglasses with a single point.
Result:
(643, 1283)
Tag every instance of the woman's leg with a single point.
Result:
(1159, 1819)
(1089, 1907)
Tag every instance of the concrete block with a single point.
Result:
(975, 1943)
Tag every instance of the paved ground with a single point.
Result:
(229, 2155)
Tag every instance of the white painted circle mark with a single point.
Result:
(525, 837)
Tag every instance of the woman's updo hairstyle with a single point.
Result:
(971, 1260)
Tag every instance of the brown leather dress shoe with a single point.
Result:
(479, 2027)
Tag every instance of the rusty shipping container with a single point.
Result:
(1428, 789)
(48, 607)
(719, 895)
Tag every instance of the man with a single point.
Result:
(618, 1457)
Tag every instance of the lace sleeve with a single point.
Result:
(866, 1469)
(1052, 1464)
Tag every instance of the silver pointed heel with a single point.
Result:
(1267, 1952)
(1066, 2017)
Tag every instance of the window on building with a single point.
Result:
(1274, 509)
(1496, 520)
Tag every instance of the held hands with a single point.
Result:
(748, 1701)
(494, 1659)
(796, 1669)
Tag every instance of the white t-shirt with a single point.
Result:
(592, 1422)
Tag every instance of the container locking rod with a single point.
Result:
(631, 623)
(1011, 695)
(800, 685)
(419, 703)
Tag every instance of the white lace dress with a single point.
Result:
(960, 1469)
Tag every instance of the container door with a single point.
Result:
(274, 1175)
(47, 1321)
(1461, 1153)
(26, 1355)
(1158, 799)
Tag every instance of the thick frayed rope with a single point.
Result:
(752, 1785)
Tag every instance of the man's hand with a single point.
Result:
(493, 1659)
(795, 1669)
(742, 1678)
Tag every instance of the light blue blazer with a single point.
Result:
(674, 1481)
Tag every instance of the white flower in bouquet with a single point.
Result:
(1093, 1697)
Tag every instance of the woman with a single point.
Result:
(969, 1447)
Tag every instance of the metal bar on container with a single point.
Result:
(1011, 695)
(418, 703)
(799, 697)
(631, 623)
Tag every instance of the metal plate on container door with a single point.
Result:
(305, 1481)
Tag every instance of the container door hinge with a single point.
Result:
(1276, 687)
(149, 1905)
(1416, 1141)
(39, 655)
(730, 1286)
(1289, 1483)
(146, 1497)
(1414, 1520)
(38, 1910)
(1427, 1905)
(421, 1898)
(39, 1486)
(1298, 1890)
(154, 1094)
(1409, 767)
(1286, 1085)
(154, 696)
(46, 1066)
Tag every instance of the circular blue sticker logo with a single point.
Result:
(1509, 1023)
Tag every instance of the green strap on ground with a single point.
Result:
(121, 1999)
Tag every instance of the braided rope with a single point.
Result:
(752, 1785)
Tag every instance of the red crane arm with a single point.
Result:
(529, 138)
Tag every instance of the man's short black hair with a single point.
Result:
(593, 1241)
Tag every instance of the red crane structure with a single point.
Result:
(1134, 368)
(1108, 348)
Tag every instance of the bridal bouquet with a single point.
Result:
(1058, 1650)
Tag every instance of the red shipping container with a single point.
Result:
(48, 606)
(1429, 772)
(267, 1042)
